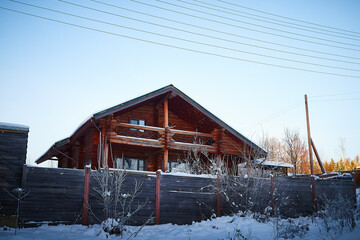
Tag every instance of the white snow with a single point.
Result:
(273, 163)
(13, 126)
(217, 228)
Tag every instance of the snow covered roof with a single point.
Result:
(273, 163)
(14, 127)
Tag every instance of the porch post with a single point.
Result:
(166, 125)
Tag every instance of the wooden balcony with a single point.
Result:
(166, 138)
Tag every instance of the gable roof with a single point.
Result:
(172, 90)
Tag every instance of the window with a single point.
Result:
(139, 122)
(171, 165)
(130, 163)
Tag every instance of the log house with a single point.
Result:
(148, 133)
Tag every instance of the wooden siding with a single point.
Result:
(13, 147)
(88, 146)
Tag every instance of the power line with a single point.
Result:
(336, 100)
(176, 38)
(275, 115)
(335, 94)
(284, 17)
(240, 36)
(178, 47)
(200, 34)
(269, 33)
(261, 20)
(277, 20)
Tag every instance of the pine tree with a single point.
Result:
(332, 166)
(341, 165)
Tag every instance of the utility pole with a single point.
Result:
(309, 136)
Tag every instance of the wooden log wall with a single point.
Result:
(55, 194)
(153, 113)
(13, 147)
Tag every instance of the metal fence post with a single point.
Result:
(314, 194)
(218, 198)
(272, 188)
(354, 179)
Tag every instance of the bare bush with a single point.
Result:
(119, 205)
(337, 213)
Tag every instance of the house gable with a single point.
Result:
(186, 118)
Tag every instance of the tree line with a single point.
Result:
(292, 148)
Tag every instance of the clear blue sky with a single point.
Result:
(53, 76)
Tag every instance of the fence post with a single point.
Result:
(354, 179)
(86, 197)
(272, 187)
(158, 181)
(218, 198)
(314, 194)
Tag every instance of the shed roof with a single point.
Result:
(273, 163)
(14, 127)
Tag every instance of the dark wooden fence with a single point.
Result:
(146, 194)
(186, 199)
(13, 145)
(56, 195)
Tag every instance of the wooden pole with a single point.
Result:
(166, 125)
(309, 136)
(318, 157)
(86, 197)
(218, 198)
(157, 211)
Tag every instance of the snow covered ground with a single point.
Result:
(218, 228)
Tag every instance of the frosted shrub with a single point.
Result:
(119, 205)
(288, 229)
(336, 214)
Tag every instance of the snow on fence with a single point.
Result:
(57, 195)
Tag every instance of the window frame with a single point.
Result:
(124, 159)
(137, 123)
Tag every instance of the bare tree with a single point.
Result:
(19, 194)
(294, 146)
(273, 147)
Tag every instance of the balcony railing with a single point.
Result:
(126, 133)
